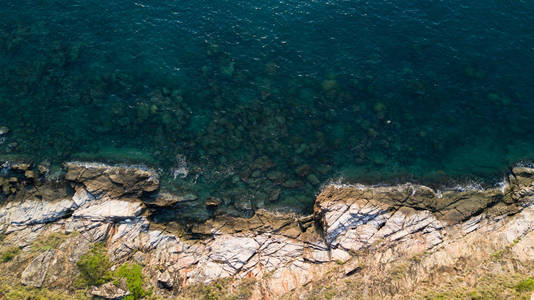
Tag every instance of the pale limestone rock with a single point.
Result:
(295, 275)
(35, 273)
(165, 280)
(207, 271)
(340, 255)
(35, 212)
(472, 224)
(110, 210)
(82, 196)
(139, 257)
(234, 252)
(371, 214)
(316, 256)
(126, 238)
(24, 235)
(363, 218)
(170, 252)
(110, 291)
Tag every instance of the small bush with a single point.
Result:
(9, 253)
(134, 280)
(526, 285)
(94, 266)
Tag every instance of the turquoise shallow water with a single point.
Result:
(265, 101)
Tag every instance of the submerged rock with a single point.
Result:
(167, 200)
(3, 130)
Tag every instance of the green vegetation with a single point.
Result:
(399, 271)
(329, 292)
(9, 253)
(134, 280)
(94, 267)
(222, 289)
(526, 285)
(508, 286)
(49, 241)
(498, 255)
(12, 291)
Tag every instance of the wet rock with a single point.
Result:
(263, 163)
(213, 202)
(43, 168)
(244, 206)
(275, 176)
(114, 181)
(303, 170)
(3, 130)
(20, 166)
(29, 174)
(166, 199)
(313, 179)
(275, 195)
(292, 184)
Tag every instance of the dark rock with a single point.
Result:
(113, 180)
(167, 200)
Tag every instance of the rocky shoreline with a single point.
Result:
(405, 241)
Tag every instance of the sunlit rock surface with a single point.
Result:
(362, 232)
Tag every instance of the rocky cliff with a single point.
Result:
(406, 241)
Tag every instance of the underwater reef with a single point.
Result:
(256, 109)
(266, 150)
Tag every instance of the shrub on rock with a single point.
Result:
(94, 266)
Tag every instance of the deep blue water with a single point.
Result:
(263, 98)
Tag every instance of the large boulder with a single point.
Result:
(114, 181)
(110, 210)
(35, 273)
(32, 212)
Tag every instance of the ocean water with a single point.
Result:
(259, 103)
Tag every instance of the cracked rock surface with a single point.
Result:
(359, 229)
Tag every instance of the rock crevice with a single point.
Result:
(284, 252)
